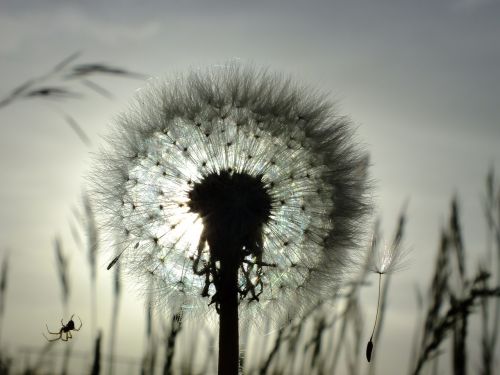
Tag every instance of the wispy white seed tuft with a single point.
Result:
(388, 259)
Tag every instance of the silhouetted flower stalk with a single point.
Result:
(237, 186)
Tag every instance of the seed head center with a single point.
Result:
(233, 207)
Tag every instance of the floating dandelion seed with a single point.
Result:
(384, 260)
(235, 186)
(388, 259)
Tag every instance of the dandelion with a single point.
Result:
(234, 187)
(384, 260)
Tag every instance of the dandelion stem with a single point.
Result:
(378, 306)
(228, 316)
(369, 348)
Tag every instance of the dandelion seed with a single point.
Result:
(388, 259)
(369, 349)
(262, 194)
(383, 260)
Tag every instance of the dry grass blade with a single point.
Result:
(51, 85)
(175, 328)
(272, 354)
(51, 92)
(3, 282)
(3, 289)
(114, 314)
(456, 238)
(97, 88)
(65, 62)
(487, 350)
(92, 233)
(75, 234)
(64, 68)
(150, 353)
(23, 89)
(437, 294)
(96, 365)
(149, 359)
(320, 326)
(456, 291)
(445, 323)
(82, 70)
(455, 317)
(16, 93)
(439, 286)
(353, 354)
(62, 268)
(78, 130)
(398, 235)
(416, 333)
(490, 311)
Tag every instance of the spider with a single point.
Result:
(65, 329)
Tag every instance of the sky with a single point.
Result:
(419, 80)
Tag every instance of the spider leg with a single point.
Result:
(66, 334)
(77, 329)
(69, 334)
(50, 340)
(53, 333)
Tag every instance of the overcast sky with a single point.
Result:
(420, 80)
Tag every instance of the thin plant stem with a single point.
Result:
(378, 306)
(93, 310)
(112, 341)
(228, 317)
(369, 347)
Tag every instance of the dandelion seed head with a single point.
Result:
(294, 188)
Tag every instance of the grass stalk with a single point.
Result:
(3, 291)
(96, 365)
(114, 317)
